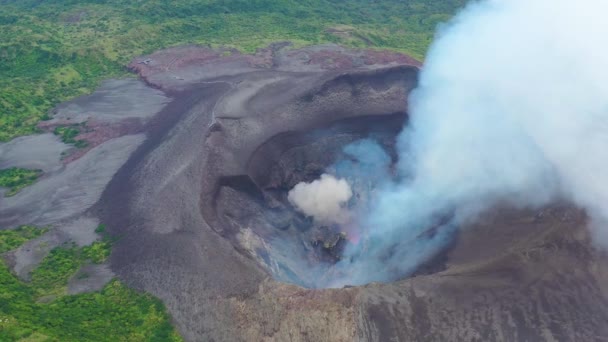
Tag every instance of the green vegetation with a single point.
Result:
(53, 273)
(41, 311)
(98, 252)
(16, 179)
(59, 266)
(51, 51)
(13, 238)
(68, 133)
(101, 229)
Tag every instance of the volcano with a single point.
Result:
(205, 223)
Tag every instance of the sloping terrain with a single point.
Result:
(191, 207)
(193, 184)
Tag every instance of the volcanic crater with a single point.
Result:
(251, 208)
(197, 196)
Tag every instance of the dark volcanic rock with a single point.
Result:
(201, 204)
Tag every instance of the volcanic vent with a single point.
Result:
(258, 159)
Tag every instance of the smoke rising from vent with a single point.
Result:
(323, 199)
(512, 107)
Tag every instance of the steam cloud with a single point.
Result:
(323, 199)
(512, 106)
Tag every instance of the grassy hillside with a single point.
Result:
(53, 50)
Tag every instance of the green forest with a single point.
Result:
(54, 50)
(41, 309)
(15, 179)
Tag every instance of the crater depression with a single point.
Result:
(212, 217)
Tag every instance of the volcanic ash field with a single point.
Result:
(246, 191)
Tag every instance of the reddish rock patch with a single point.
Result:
(165, 69)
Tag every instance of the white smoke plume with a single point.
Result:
(512, 105)
(323, 199)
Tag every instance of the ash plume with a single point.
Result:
(511, 107)
(323, 199)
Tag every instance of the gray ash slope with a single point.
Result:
(191, 206)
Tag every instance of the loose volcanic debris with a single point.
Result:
(205, 224)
